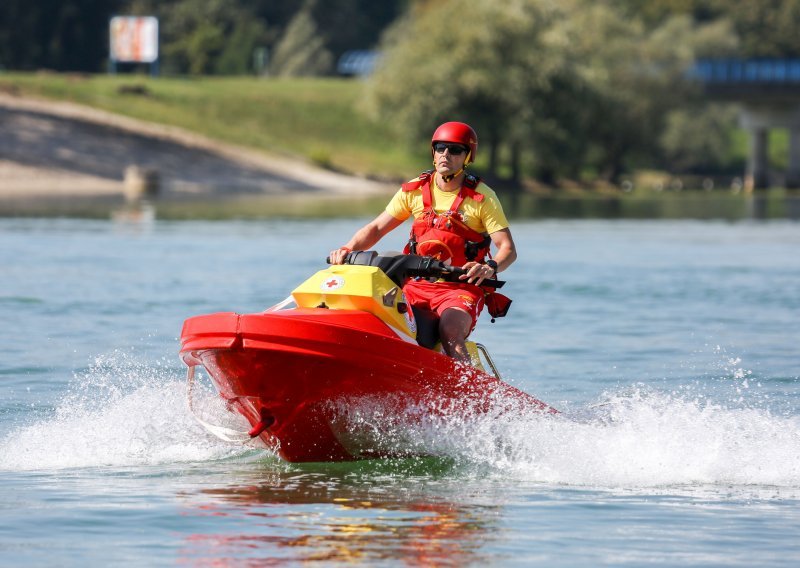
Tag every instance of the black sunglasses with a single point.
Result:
(455, 149)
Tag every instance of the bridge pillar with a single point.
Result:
(769, 93)
(758, 120)
(757, 174)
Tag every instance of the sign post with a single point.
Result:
(133, 39)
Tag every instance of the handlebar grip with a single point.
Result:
(454, 273)
(356, 257)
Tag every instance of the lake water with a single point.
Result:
(672, 347)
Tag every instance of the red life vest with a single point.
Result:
(445, 236)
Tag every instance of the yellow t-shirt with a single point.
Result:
(485, 216)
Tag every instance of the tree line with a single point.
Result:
(304, 36)
(568, 89)
(197, 37)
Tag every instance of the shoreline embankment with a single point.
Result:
(63, 157)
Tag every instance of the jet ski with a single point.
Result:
(344, 339)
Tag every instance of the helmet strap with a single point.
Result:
(451, 177)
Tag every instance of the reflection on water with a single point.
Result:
(363, 512)
(141, 213)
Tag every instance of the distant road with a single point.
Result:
(57, 150)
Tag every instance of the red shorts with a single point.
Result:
(439, 296)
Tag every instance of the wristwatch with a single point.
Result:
(493, 265)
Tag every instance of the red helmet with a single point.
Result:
(458, 133)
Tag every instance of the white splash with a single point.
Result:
(652, 439)
(119, 413)
(635, 439)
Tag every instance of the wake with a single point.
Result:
(637, 438)
(127, 413)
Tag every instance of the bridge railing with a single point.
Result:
(749, 71)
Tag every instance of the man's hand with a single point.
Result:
(337, 256)
(476, 273)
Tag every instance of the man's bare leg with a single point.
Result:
(454, 327)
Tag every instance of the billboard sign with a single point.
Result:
(133, 39)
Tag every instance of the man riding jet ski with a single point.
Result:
(457, 218)
(352, 370)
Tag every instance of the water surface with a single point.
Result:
(670, 345)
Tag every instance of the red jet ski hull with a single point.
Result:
(292, 372)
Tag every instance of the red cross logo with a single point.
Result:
(332, 283)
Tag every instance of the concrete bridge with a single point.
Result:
(768, 91)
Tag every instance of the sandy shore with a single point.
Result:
(58, 151)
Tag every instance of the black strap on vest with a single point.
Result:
(471, 248)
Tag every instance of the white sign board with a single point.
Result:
(134, 39)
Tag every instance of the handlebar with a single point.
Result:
(399, 267)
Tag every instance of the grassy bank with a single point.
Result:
(317, 119)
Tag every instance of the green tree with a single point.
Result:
(764, 28)
(301, 50)
(353, 24)
(208, 36)
(698, 138)
(634, 77)
(319, 32)
(496, 70)
(65, 35)
(555, 89)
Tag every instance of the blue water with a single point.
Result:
(671, 346)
